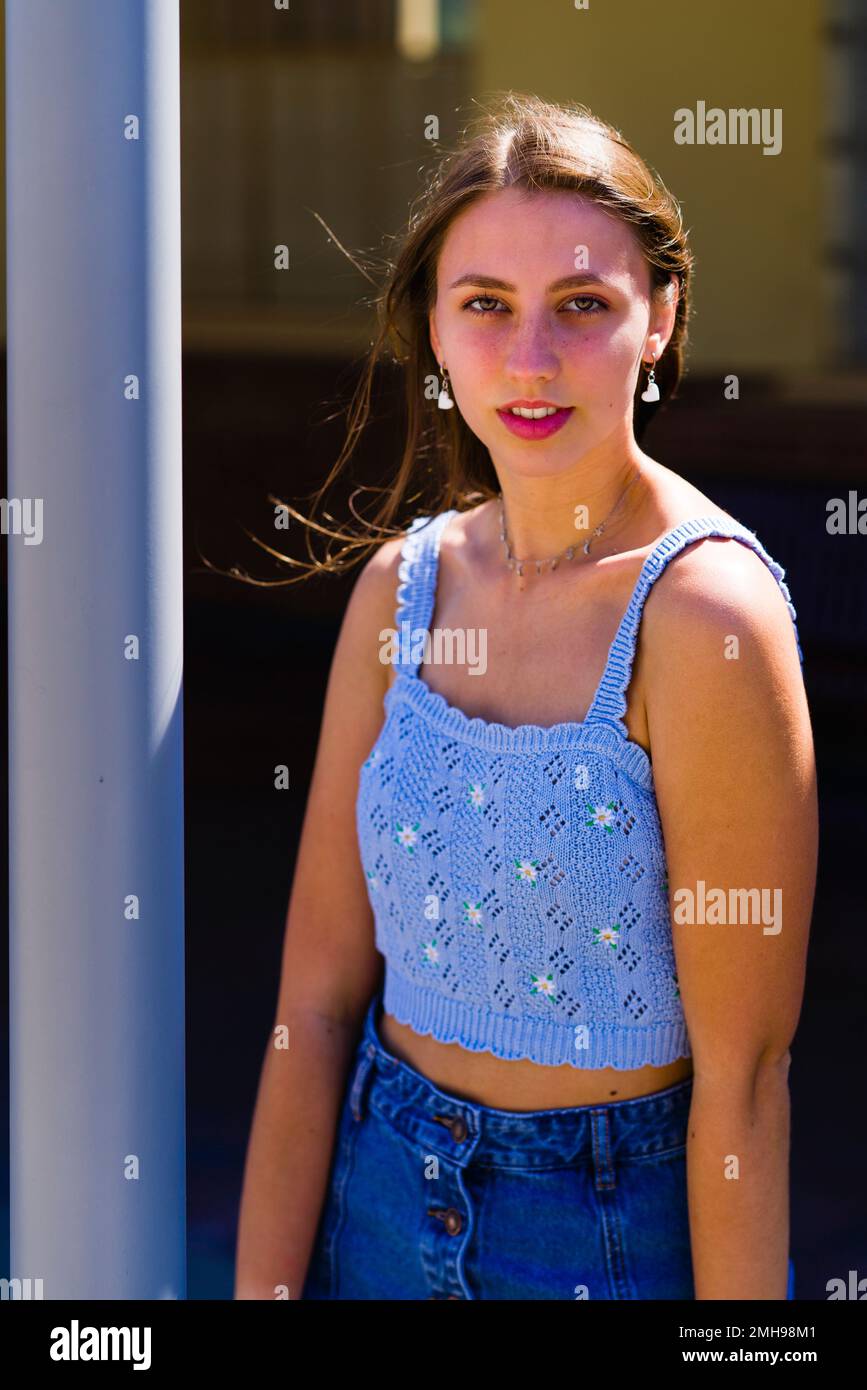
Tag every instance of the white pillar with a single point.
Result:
(95, 648)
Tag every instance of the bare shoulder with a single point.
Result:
(373, 603)
(715, 583)
(718, 647)
(379, 570)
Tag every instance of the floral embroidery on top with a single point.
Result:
(527, 870)
(524, 786)
(406, 835)
(602, 816)
(607, 935)
(543, 984)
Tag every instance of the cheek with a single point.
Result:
(609, 353)
(477, 348)
(604, 346)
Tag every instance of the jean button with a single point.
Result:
(456, 1125)
(453, 1223)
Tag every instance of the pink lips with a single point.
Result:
(535, 429)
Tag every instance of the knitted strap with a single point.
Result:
(609, 702)
(416, 589)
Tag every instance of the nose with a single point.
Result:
(530, 356)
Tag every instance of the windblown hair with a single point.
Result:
(519, 141)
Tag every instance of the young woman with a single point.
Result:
(545, 949)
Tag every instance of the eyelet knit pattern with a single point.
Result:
(517, 875)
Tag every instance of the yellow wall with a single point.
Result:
(755, 220)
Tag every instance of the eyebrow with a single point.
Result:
(568, 282)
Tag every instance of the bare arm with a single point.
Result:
(330, 967)
(736, 787)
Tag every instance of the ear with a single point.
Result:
(662, 321)
(665, 315)
(655, 344)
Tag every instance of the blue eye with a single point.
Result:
(598, 304)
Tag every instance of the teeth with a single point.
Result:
(534, 414)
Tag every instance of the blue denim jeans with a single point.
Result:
(433, 1196)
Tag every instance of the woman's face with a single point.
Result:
(579, 346)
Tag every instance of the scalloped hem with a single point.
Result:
(548, 1042)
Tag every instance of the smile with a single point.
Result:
(535, 428)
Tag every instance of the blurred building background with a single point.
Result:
(320, 110)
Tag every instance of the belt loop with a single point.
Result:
(602, 1165)
(362, 1071)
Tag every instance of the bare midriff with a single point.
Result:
(503, 1084)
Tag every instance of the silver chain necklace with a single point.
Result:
(567, 554)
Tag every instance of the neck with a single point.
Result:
(544, 517)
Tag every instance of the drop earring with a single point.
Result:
(651, 391)
(444, 400)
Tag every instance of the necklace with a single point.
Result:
(518, 565)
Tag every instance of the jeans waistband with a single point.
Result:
(463, 1130)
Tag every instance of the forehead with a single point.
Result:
(518, 234)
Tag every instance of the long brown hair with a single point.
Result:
(518, 140)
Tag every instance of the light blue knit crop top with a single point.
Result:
(517, 876)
